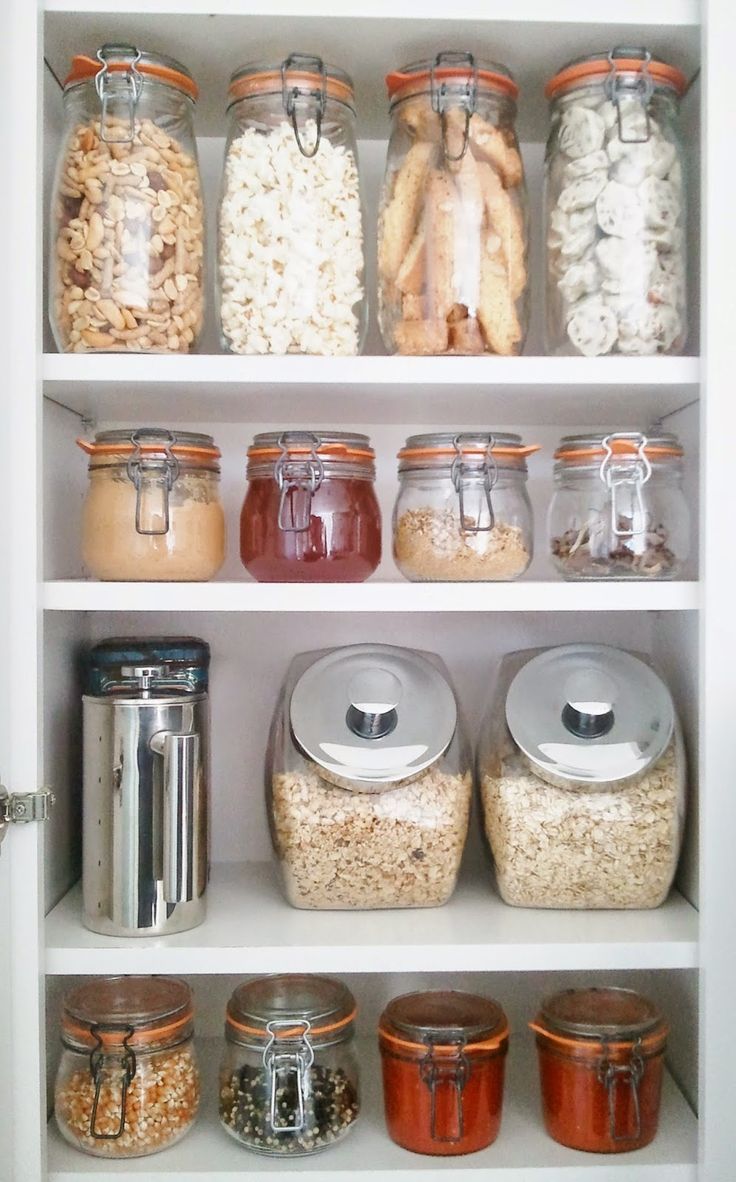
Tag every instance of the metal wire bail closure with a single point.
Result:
(99, 1063)
(110, 100)
(638, 93)
(297, 479)
(290, 96)
(448, 1074)
(465, 478)
(611, 1075)
(291, 1061)
(154, 479)
(632, 476)
(441, 99)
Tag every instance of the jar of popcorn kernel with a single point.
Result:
(127, 236)
(290, 253)
(128, 1081)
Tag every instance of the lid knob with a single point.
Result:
(588, 710)
(374, 696)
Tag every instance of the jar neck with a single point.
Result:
(628, 470)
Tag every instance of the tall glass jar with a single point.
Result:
(452, 233)
(290, 236)
(289, 1075)
(128, 1081)
(310, 513)
(619, 510)
(615, 207)
(153, 510)
(463, 511)
(127, 232)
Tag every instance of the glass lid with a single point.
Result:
(438, 1014)
(288, 1004)
(135, 1001)
(600, 1013)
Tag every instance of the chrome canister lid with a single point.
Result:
(114, 666)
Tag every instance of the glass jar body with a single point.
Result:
(452, 239)
(615, 225)
(160, 1106)
(127, 233)
(290, 233)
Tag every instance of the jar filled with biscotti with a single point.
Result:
(615, 207)
(452, 235)
(463, 511)
(290, 240)
(127, 234)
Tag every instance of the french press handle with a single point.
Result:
(180, 822)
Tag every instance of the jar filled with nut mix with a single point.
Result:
(452, 233)
(619, 510)
(463, 512)
(368, 780)
(615, 207)
(128, 1081)
(127, 236)
(582, 771)
(289, 1074)
(290, 244)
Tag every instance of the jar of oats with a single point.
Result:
(127, 235)
(368, 780)
(583, 774)
(463, 512)
(128, 1081)
(153, 511)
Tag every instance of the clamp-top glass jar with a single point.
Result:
(290, 222)
(127, 233)
(619, 510)
(463, 511)
(615, 207)
(128, 1081)
(452, 249)
(289, 1076)
(153, 509)
(310, 513)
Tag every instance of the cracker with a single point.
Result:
(412, 272)
(421, 338)
(497, 308)
(441, 209)
(466, 337)
(505, 220)
(401, 214)
(489, 145)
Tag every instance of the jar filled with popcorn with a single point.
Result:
(582, 772)
(127, 234)
(368, 780)
(290, 241)
(615, 207)
(463, 511)
(452, 232)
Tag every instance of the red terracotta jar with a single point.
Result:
(443, 1055)
(601, 1058)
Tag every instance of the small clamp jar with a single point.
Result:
(619, 510)
(443, 1056)
(153, 510)
(601, 1061)
(289, 1076)
(463, 511)
(310, 513)
(128, 1081)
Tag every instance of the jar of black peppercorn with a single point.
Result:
(289, 1077)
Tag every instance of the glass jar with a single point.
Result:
(290, 221)
(601, 1061)
(310, 513)
(452, 231)
(443, 1056)
(153, 510)
(582, 771)
(368, 780)
(127, 232)
(128, 1081)
(463, 511)
(615, 207)
(618, 510)
(289, 1076)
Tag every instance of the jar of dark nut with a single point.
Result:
(127, 236)
(128, 1081)
(289, 1076)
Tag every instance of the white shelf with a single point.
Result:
(250, 928)
(522, 1153)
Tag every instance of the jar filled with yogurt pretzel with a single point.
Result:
(452, 234)
(615, 207)
(127, 234)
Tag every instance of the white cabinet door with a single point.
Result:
(6, 1086)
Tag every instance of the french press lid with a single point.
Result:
(603, 1014)
(372, 716)
(118, 665)
(588, 713)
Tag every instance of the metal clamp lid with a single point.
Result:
(107, 1067)
(153, 477)
(110, 97)
(634, 91)
(292, 94)
(464, 95)
(298, 479)
(465, 474)
(617, 475)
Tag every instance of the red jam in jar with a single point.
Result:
(601, 1058)
(310, 514)
(443, 1055)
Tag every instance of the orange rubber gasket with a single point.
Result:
(109, 449)
(84, 68)
(292, 1033)
(596, 1047)
(418, 452)
(329, 450)
(401, 86)
(586, 71)
(139, 1038)
(487, 1044)
(270, 82)
(620, 447)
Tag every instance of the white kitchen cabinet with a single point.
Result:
(682, 953)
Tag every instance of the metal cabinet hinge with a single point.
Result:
(21, 807)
